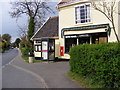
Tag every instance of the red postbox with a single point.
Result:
(62, 50)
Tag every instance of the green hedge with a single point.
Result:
(100, 62)
(25, 51)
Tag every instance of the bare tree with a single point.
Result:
(107, 8)
(36, 11)
(22, 32)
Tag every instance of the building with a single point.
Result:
(80, 23)
(46, 40)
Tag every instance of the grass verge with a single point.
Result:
(26, 59)
(83, 81)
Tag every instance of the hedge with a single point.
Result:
(100, 62)
(25, 51)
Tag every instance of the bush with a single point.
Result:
(101, 62)
(25, 51)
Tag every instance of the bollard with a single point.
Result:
(31, 60)
(31, 57)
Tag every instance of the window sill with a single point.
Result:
(82, 24)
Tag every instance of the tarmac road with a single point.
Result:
(17, 77)
(19, 74)
(8, 56)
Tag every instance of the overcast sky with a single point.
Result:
(9, 25)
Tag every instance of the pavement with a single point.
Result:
(48, 75)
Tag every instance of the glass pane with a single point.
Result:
(81, 7)
(70, 42)
(82, 21)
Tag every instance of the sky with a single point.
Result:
(9, 25)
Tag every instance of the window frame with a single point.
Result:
(37, 41)
(38, 49)
(80, 17)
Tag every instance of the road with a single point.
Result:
(15, 77)
(19, 74)
(8, 56)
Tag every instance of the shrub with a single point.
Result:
(25, 51)
(101, 62)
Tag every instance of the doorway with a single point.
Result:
(51, 51)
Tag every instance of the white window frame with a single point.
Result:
(75, 14)
(37, 48)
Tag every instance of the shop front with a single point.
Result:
(84, 35)
(46, 49)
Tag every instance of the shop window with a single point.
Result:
(99, 38)
(38, 48)
(82, 14)
(70, 42)
(84, 40)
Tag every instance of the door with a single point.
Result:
(51, 50)
(44, 50)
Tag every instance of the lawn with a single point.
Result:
(85, 82)
(34, 61)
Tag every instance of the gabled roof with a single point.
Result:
(65, 1)
(70, 2)
(49, 29)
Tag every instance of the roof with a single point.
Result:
(49, 29)
(70, 2)
(65, 1)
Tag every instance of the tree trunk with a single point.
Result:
(115, 32)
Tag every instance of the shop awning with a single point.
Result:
(86, 29)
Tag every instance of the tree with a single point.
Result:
(107, 8)
(6, 37)
(17, 41)
(36, 10)
(31, 27)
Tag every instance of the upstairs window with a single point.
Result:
(82, 14)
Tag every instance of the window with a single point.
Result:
(82, 14)
(38, 48)
(70, 42)
(38, 41)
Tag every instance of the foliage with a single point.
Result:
(100, 62)
(31, 27)
(6, 37)
(25, 51)
(85, 82)
(26, 47)
(17, 41)
(36, 9)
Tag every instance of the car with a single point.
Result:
(12, 47)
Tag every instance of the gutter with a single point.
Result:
(45, 38)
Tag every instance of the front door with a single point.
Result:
(44, 50)
(51, 49)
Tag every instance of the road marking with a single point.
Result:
(11, 60)
(44, 85)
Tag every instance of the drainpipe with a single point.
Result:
(77, 41)
(90, 39)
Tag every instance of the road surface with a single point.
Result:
(19, 74)
(16, 77)
(8, 56)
